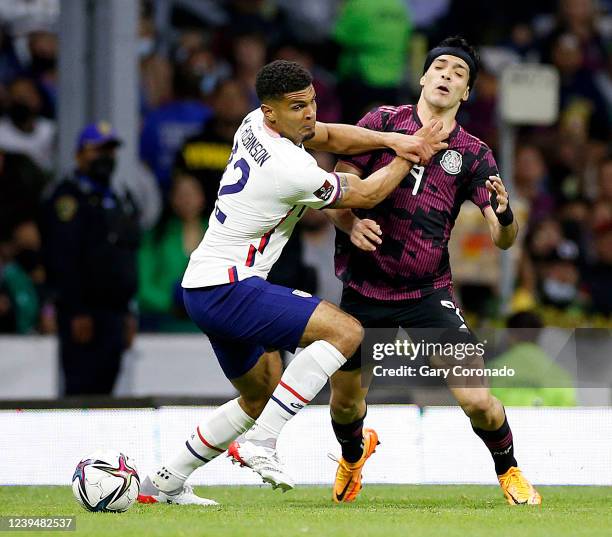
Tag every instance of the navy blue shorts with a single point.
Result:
(246, 318)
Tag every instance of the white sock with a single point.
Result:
(210, 439)
(304, 378)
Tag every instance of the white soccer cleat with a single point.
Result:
(262, 460)
(149, 493)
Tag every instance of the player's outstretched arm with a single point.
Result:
(356, 193)
(351, 140)
(499, 217)
(366, 193)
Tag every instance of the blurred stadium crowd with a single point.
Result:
(197, 83)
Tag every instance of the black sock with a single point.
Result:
(500, 445)
(350, 437)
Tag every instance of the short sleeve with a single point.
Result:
(309, 185)
(372, 120)
(483, 167)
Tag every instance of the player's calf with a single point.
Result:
(347, 400)
(484, 410)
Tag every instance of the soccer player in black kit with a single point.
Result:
(404, 280)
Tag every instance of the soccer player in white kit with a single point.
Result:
(268, 184)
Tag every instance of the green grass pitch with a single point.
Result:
(389, 511)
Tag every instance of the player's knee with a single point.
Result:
(478, 405)
(347, 335)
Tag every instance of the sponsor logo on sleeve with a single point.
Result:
(325, 192)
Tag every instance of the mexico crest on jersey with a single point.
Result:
(451, 161)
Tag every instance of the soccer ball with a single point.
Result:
(106, 481)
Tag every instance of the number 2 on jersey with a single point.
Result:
(234, 188)
(245, 170)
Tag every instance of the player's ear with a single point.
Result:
(466, 94)
(268, 113)
(422, 81)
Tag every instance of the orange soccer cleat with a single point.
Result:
(348, 475)
(517, 490)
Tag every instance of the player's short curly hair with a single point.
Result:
(280, 77)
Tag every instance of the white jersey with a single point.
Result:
(265, 189)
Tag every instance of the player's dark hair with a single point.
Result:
(465, 50)
(280, 77)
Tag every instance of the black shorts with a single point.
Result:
(437, 312)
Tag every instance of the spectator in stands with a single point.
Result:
(329, 107)
(538, 380)
(164, 254)
(583, 112)
(566, 167)
(603, 79)
(544, 238)
(90, 242)
(309, 22)
(531, 178)
(599, 275)
(9, 63)
(604, 181)
(155, 69)
(600, 192)
(43, 47)
(483, 21)
(550, 271)
(21, 186)
(24, 130)
(578, 18)
(601, 212)
(18, 297)
(166, 128)
(253, 17)
(28, 252)
(205, 155)
(211, 70)
(248, 57)
(374, 38)
(559, 281)
(155, 83)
